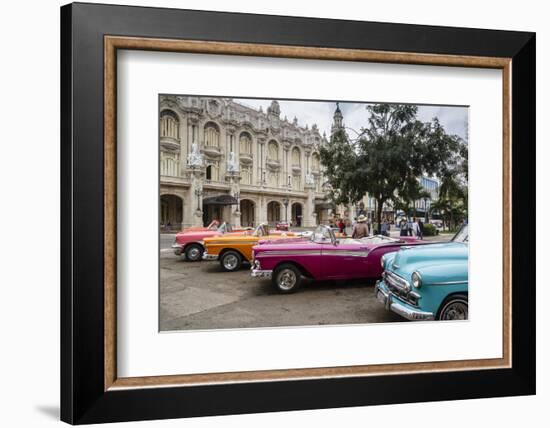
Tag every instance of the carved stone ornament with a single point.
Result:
(195, 158)
(232, 163)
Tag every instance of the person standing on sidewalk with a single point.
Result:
(420, 229)
(384, 228)
(403, 227)
(360, 229)
(414, 227)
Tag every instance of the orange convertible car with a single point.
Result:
(233, 250)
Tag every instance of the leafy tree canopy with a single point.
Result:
(393, 150)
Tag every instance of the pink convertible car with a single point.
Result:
(322, 257)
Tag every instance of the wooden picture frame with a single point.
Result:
(91, 390)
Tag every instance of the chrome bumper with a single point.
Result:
(178, 249)
(258, 273)
(392, 303)
(206, 256)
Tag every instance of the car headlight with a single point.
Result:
(416, 280)
(383, 261)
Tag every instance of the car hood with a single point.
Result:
(280, 240)
(451, 251)
(283, 244)
(436, 262)
(195, 236)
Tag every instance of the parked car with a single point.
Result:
(323, 257)
(437, 223)
(232, 251)
(191, 243)
(427, 283)
(214, 224)
(282, 225)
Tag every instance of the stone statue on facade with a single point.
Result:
(310, 180)
(195, 158)
(232, 163)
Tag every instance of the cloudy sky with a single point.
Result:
(454, 119)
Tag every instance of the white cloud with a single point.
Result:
(453, 118)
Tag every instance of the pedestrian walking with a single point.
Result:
(361, 228)
(420, 229)
(414, 228)
(403, 227)
(410, 227)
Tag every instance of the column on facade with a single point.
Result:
(309, 216)
(255, 152)
(286, 168)
(225, 145)
(183, 146)
(261, 210)
(304, 163)
(237, 150)
(261, 160)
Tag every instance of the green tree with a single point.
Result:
(393, 150)
(452, 203)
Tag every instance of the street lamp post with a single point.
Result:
(237, 195)
(198, 194)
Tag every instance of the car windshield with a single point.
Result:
(215, 225)
(261, 230)
(461, 235)
(321, 235)
(378, 239)
(224, 228)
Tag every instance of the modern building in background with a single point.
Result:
(220, 159)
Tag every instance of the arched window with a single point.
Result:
(213, 171)
(246, 143)
(246, 174)
(273, 150)
(273, 179)
(296, 158)
(169, 164)
(297, 182)
(316, 162)
(169, 124)
(211, 135)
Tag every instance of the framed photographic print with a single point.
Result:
(265, 213)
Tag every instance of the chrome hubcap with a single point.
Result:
(287, 279)
(194, 253)
(456, 311)
(230, 261)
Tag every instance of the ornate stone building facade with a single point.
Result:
(220, 159)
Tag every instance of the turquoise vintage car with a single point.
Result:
(427, 282)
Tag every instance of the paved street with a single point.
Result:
(200, 296)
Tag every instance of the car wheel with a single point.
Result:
(287, 278)
(193, 253)
(454, 308)
(231, 261)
